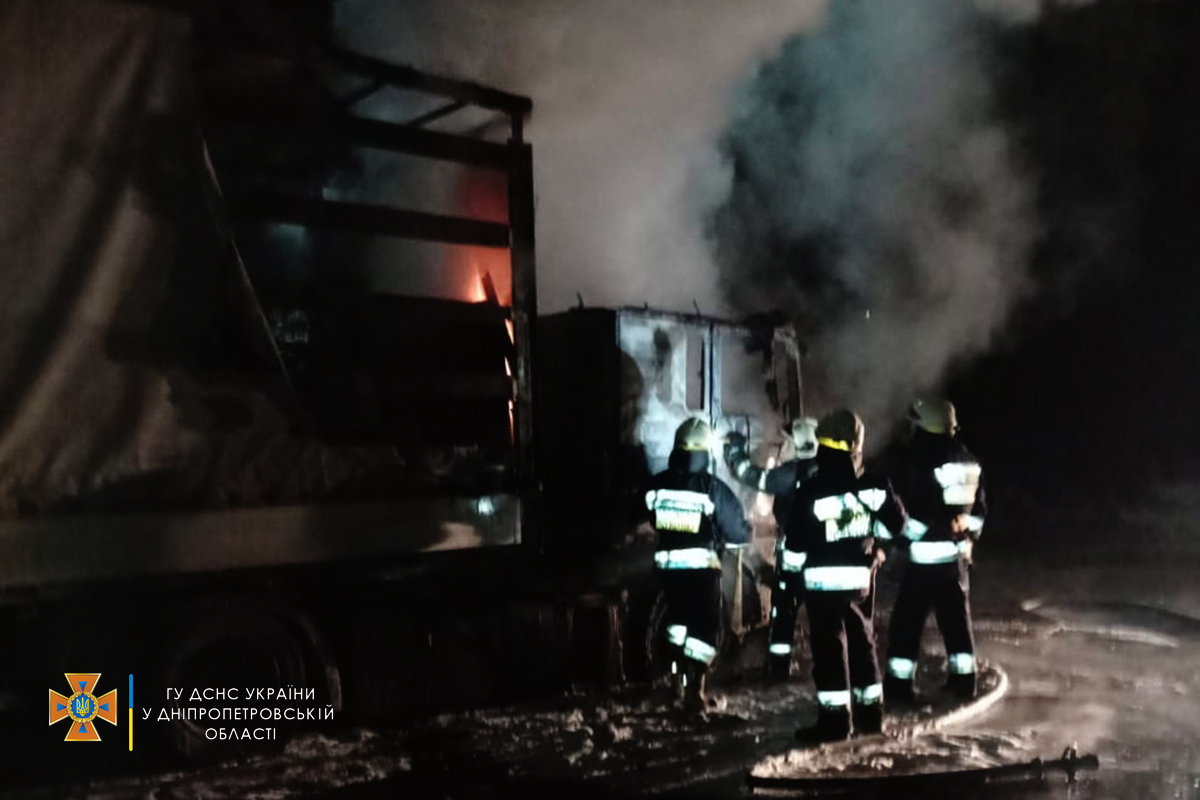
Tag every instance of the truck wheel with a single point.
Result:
(235, 647)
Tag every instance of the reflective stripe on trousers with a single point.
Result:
(700, 651)
(935, 552)
(902, 668)
(869, 696)
(866, 696)
(693, 648)
(690, 558)
(961, 663)
(837, 579)
(839, 699)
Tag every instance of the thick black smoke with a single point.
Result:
(847, 161)
(878, 197)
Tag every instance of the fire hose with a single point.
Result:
(1071, 764)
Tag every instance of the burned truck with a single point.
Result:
(263, 426)
(613, 385)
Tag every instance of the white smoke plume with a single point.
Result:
(868, 145)
(879, 197)
(630, 98)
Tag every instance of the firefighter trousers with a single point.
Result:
(842, 638)
(785, 607)
(944, 588)
(693, 615)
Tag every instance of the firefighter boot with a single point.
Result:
(962, 686)
(833, 724)
(696, 697)
(679, 681)
(868, 719)
(899, 691)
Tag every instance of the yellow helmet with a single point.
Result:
(934, 415)
(842, 430)
(694, 434)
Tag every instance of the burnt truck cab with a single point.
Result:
(612, 387)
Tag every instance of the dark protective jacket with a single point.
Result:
(838, 520)
(777, 480)
(780, 482)
(690, 508)
(941, 483)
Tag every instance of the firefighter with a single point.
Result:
(695, 516)
(942, 486)
(838, 521)
(781, 482)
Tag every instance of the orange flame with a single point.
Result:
(483, 196)
(474, 291)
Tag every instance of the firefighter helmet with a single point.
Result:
(842, 430)
(802, 431)
(693, 434)
(934, 415)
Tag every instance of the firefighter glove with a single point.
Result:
(735, 447)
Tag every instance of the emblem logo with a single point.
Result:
(83, 708)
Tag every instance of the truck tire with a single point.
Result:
(242, 645)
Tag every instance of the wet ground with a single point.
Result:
(1108, 659)
(1104, 656)
(1115, 672)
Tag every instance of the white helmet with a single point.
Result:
(802, 431)
(934, 415)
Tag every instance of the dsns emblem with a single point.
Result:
(83, 708)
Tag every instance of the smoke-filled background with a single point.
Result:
(1002, 185)
(843, 162)
(879, 197)
(630, 99)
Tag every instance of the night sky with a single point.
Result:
(1092, 396)
(1077, 386)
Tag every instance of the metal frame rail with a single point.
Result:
(513, 158)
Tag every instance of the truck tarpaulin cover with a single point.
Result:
(136, 367)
